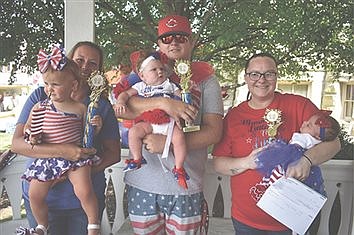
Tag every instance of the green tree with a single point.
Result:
(26, 26)
(303, 34)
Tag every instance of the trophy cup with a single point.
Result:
(98, 86)
(183, 71)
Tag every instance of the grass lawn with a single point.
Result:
(5, 141)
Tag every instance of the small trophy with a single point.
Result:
(273, 119)
(98, 86)
(183, 70)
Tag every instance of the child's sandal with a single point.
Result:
(31, 231)
(41, 227)
(24, 231)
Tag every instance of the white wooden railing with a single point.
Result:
(337, 214)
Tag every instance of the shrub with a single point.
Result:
(347, 150)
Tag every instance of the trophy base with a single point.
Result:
(191, 128)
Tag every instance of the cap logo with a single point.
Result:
(174, 24)
(171, 23)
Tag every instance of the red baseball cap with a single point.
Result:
(173, 24)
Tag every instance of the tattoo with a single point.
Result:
(235, 171)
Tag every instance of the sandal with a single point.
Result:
(31, 231)
(41, 227)
(24, 231)
(133, 164)
(181, 176)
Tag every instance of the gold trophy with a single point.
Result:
(273, 119)
(183, 71)
(99, 87)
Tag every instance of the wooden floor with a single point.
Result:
(9, 227)
(217, 226)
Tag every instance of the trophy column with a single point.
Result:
(98, 84)
(183, 71)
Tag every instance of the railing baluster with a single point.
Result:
(338, 175)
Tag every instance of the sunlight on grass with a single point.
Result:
(5, 141)
(6, 213)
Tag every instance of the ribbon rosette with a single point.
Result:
(273, 120)
(183, 71)
(56, 59)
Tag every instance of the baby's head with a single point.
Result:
(69, 71)
(150, 69)
(321, 126)
(58, 69)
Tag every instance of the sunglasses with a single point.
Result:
(177, 37)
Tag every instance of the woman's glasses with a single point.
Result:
(177, 37)
(255, 76)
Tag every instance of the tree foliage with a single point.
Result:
(302, 34)
(26, 26)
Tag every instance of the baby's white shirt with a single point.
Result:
(305, 140)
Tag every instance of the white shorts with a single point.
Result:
(160, 128)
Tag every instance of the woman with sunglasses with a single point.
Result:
(266, 116)
(66, 215)
(156, 203)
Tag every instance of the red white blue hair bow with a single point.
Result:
(324, 122)
(56, 59)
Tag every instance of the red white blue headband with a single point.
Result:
(56, 59)
(146, 62)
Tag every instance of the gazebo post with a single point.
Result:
(78, 22)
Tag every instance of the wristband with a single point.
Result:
(308, 159)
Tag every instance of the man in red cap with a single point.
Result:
(156, 203)
(174, 37)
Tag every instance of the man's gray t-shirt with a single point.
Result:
(151, 177)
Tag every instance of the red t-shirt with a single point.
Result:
(245, 130)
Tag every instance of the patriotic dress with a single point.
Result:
(281, 153)
(57, 127)
(158, 118)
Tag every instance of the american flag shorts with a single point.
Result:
(151, 213)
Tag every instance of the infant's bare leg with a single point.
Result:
(38, 192)
(136, 135)
(81, 181)
(179, 146)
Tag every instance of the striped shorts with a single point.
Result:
(157, 214)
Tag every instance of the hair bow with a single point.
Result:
(159, 55)
(324, 122)
(56, 59)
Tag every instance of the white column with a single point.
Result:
(352, 220)
(317, 87)
(79, 22)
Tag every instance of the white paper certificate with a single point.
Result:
(292, 203)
